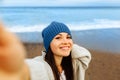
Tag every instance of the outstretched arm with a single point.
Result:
(12, 55)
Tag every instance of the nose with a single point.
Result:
(65, 41)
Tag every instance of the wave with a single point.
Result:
(95, 24)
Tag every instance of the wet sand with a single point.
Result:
(103, 66)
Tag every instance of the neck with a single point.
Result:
(60, 69)
(58, 61)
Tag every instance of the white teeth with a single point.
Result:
(64, 47)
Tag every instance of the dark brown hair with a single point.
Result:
(66, 65)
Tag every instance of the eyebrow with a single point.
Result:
(61, 34)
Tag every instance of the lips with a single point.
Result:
(65, 47)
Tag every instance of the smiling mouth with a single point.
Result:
(65, 47)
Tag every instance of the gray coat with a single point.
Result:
(40, 69)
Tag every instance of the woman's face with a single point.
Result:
(61, 44)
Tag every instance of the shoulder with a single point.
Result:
(39, 68)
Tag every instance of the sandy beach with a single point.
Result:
(95, 28)
(103, 66)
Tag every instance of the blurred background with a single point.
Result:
(95, 25)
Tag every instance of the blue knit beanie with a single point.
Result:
(51, 31)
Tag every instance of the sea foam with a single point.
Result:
(96, 24)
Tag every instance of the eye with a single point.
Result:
(69, 37)
(58, 37)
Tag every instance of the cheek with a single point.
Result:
(55, 50)
(71, 42)
(53, 46)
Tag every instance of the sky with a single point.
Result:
(59, 2)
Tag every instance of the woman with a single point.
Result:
(62, 59)
(58, 44)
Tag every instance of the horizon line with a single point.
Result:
(60, 6)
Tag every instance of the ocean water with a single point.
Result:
(36, 18)
(92, 27)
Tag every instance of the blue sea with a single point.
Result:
(36, 18)
(95, 24)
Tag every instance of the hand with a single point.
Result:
(12, 52)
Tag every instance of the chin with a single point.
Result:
(66, 54)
